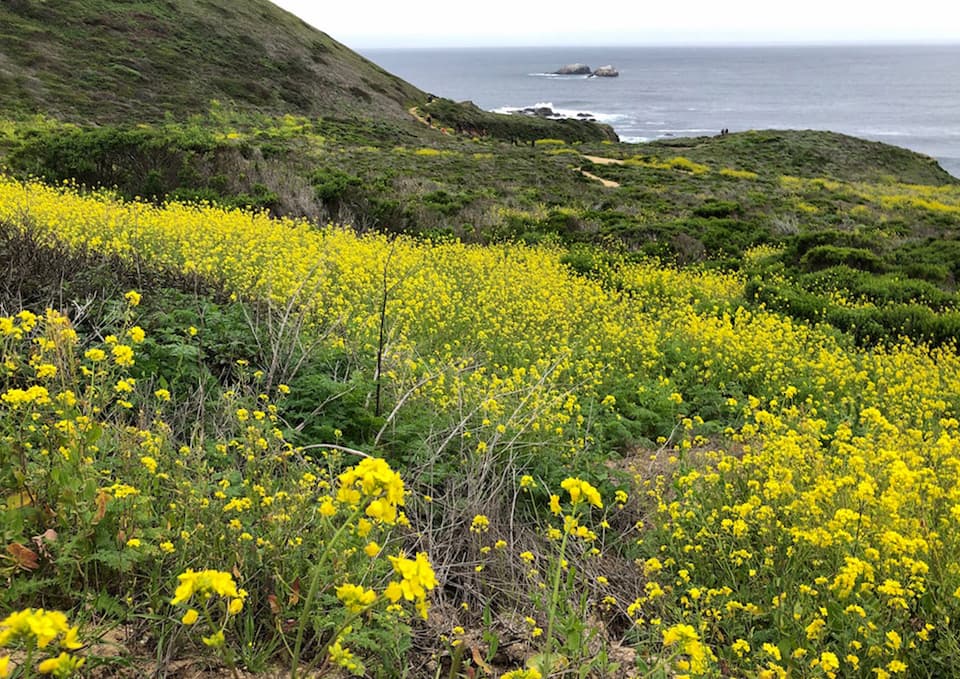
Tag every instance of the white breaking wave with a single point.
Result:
(572, 113)
(570, 76)
(690, 130)
(885, 133)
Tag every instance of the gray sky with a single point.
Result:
(426, 23)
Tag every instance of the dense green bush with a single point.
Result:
(799, 245)
(867, 324)
(878, 289)
(717, 208)
(824, 256)
(332, 185)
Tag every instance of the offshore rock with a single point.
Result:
(573, 69)
(539, 111)
(605, 72)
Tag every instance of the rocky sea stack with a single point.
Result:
(605, 72)
(573, 69)
(582, 69)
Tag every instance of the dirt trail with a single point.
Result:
(609, 183)
(415, 112)
(604, 161)
(598, 160)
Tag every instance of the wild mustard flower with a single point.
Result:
(122, 355)
(64, 665)
(205, 584)
(555, 505)
(374, 480)
(835, 454)
(46, 371)
(528, 673)
(828, 662)
(480, 524)
(39, 627)
(343, 657)
(417, 578)
(355, 598)
(36, 629)
(582, 491)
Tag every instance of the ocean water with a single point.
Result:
(903, 95)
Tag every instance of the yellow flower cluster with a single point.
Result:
(152, 500)
(36, 629)
(373, 479)
(343, 657)
(480, 524)
(582, 491)
(20, 397)
(18, 325)
(355, 598)
(207, 583)
(40, 626)
(697, 659)
(417, 578)
(528, 673)
(885, 196)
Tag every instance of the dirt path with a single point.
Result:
(415, 112)
(604, 161)
(609, 183)
(598, 160)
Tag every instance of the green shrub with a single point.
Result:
(717, 208)
(801, 244)
(332, 185)
(824, 256)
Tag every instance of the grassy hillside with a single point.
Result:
(109, 61)
(809, 153)
(114, 61)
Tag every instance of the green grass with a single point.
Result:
(808, 153)
(108, 61)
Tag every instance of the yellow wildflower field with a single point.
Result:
(811, 531)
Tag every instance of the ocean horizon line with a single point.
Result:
(675, 45)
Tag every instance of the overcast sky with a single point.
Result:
(422, 23)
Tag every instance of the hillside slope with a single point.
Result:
(109, 60)
(813, 153)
